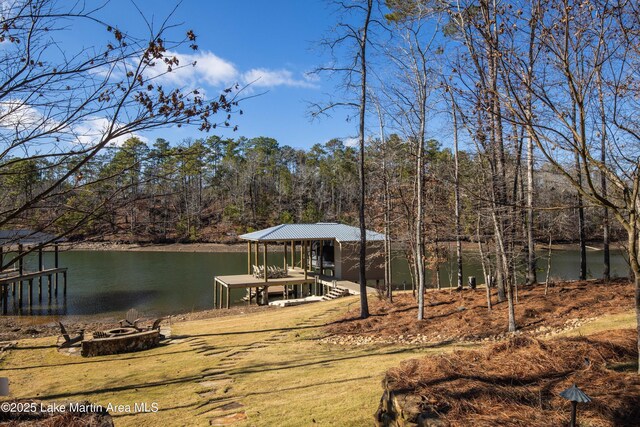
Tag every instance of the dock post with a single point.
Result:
(21, 260)
(249, 257)
(30, 292)
(40, 268)
(321, 260)
(293, 254)
(303, 258)
(285, 257)
(49, 279)
(20, 293)
(57, 264)
(303, 249)
(220, 296)
(265, 292)
(64, 283)
(215, 288)
(255, 255)
(5, 298)
(228, 297)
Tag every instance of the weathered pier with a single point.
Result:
(15, 278)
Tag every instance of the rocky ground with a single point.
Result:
(464, 317)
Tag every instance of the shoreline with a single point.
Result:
(241, 247)
(155, 247)
(15, 327)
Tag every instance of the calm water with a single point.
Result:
(111, 282)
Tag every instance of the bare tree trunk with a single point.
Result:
(487, 277)
(456, 189)
(364, 306)
(606, 271)
(632, 232)
(531, 249)
(546, 280)
(419, 227)
(387, 208)
(581, 227)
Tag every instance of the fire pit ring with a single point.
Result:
(117, 332)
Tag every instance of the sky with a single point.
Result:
(271, 44)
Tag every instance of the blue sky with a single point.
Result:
(273, 41)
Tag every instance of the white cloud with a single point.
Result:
(217, 72)
(263, 77)
(351, 142)
(22, 117)
(195, 69)
(90, 132)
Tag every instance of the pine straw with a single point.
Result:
(517, 382)
(54, 419)
(463, 315)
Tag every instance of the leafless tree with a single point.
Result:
(60, 107)
(356, 38)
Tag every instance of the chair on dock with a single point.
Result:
(68, 341)
(273, 272)
(131, 319)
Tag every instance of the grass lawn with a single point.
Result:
(260, 369)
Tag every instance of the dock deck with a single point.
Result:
(296, 277)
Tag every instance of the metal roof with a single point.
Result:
(26, 237)
(317, 231)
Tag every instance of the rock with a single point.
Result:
(401, 409)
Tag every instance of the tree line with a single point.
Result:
(213, 189)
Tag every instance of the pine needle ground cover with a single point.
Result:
(517, 382)
(452, 316)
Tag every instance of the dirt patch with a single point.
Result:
(463, 316)
(518, 382)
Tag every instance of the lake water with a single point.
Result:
(111, 282)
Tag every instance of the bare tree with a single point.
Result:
(579, 44)
(60, 108)
(456, 191)
(416, 79)
(355, 82)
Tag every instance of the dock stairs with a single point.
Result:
(336, 292)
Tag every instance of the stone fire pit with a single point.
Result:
(120, 340)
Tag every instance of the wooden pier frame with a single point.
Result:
(15, 276)
(222, 285)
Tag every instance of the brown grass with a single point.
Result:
(464, 315)
(517, 381)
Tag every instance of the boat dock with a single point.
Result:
(298, 283)
(15, 246)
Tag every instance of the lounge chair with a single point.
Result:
(68, 341)
(131, 320)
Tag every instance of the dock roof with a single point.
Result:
(317, 231)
